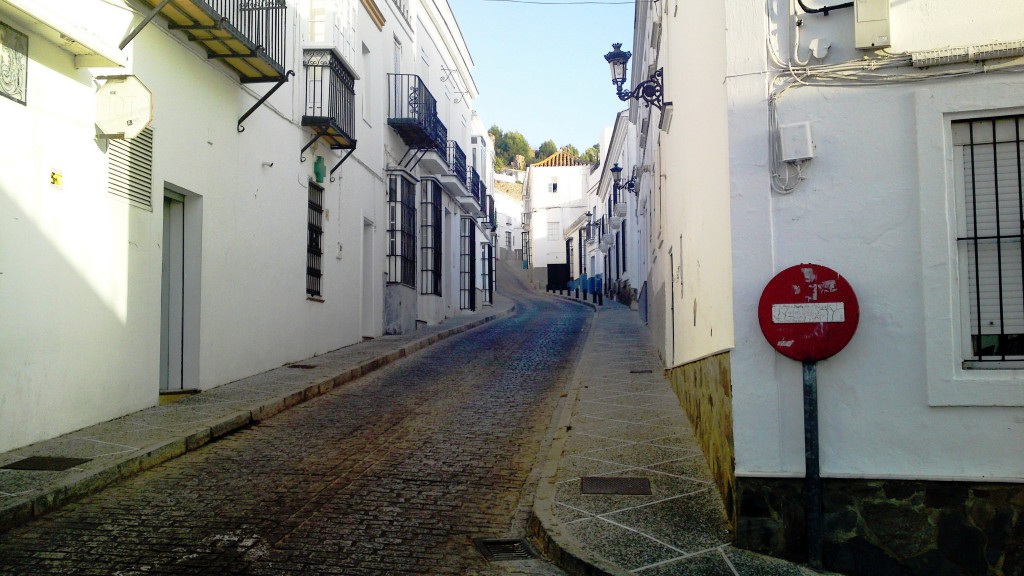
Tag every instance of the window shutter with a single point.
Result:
(130, 169)
(991, 226)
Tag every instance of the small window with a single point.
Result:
(553, 186)
(314, 239)
(554, 229)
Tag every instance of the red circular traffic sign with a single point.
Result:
(808, 312)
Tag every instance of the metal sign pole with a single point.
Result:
(812, 476)
(809, 313)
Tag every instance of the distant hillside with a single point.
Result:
(511, 149)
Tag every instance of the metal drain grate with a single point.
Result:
(641, 371)
(503, 550)
(45, 463)
(625, 486)
(302, 366)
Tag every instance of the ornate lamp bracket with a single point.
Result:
(649, 91)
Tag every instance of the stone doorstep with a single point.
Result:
(18, 510)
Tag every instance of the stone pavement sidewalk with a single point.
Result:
(623, 420)
(123, 447)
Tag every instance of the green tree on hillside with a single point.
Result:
(592, 155)
(507, 146)
(546, 149)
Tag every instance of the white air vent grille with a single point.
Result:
(130, 169)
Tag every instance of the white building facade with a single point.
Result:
(508, 205)
(256, 202)
(882, 140)
(554, 195)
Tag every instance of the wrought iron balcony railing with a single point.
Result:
(412, 112)
(440, 135)
(457, 160)
(250, 36)
(473, 183)
(330, 98)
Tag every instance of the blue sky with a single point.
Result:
(540, 69)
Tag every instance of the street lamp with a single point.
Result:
(630, 184)
(650, 90)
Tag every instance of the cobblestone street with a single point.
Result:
(397, 472)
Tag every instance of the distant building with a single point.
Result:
(508, 201)
(554, 195)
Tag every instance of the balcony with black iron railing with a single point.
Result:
(412, 112)
(330, 98)
(473, 201)
(440, 142)
(482, 199)
(457, 160)
(473, 183)
(250, 36)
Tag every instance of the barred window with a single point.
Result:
(430, 238)
(401, 231)
(467, 265)
(314, 239)
(623, 245)
(990, 213)
(485, 270)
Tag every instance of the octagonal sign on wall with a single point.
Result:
(124, 107)
(808, 312)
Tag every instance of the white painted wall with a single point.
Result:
(692, 186)
(875, 207)
(79, 268)
(80, 297)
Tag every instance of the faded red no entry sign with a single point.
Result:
(808, 312)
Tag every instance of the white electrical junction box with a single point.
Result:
(795, 142)
(871, 24)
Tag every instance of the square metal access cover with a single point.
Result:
(45, 463)
(626, 486)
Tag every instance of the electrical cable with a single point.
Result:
(795, 56)
(824, 9)
(880, 69)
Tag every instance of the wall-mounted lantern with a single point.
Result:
(650, 90)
